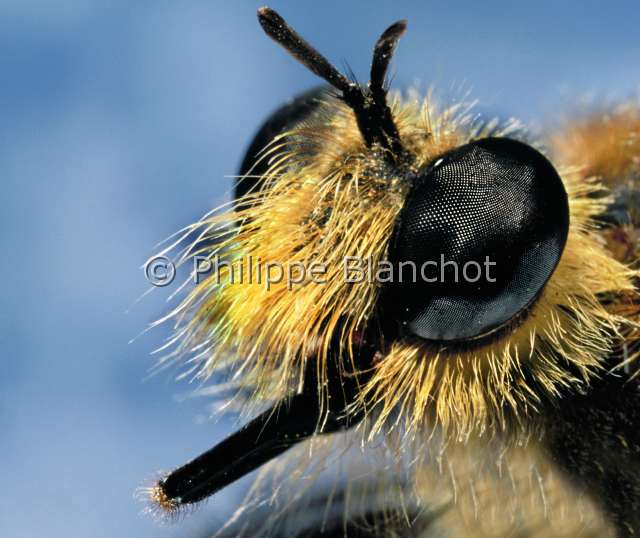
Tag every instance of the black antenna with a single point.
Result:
(369, 105)
(382, 54)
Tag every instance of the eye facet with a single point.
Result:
(485, 226)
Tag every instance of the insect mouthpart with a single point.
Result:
(264, 438)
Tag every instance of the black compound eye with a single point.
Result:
(481, 232)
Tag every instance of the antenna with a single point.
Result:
(369, 104)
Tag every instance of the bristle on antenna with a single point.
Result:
(373, 115)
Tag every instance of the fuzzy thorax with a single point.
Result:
(326, 197)
(605, 143)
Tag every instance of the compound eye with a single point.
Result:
(481, 232)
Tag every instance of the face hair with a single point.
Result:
(373, 115)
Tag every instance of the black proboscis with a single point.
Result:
(266, 437)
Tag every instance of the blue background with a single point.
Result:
(118, 124)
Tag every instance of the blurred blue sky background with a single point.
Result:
(118, 124)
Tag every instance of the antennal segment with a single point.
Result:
(382, 54)
(278, 30)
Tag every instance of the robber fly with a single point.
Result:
(474, 305)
